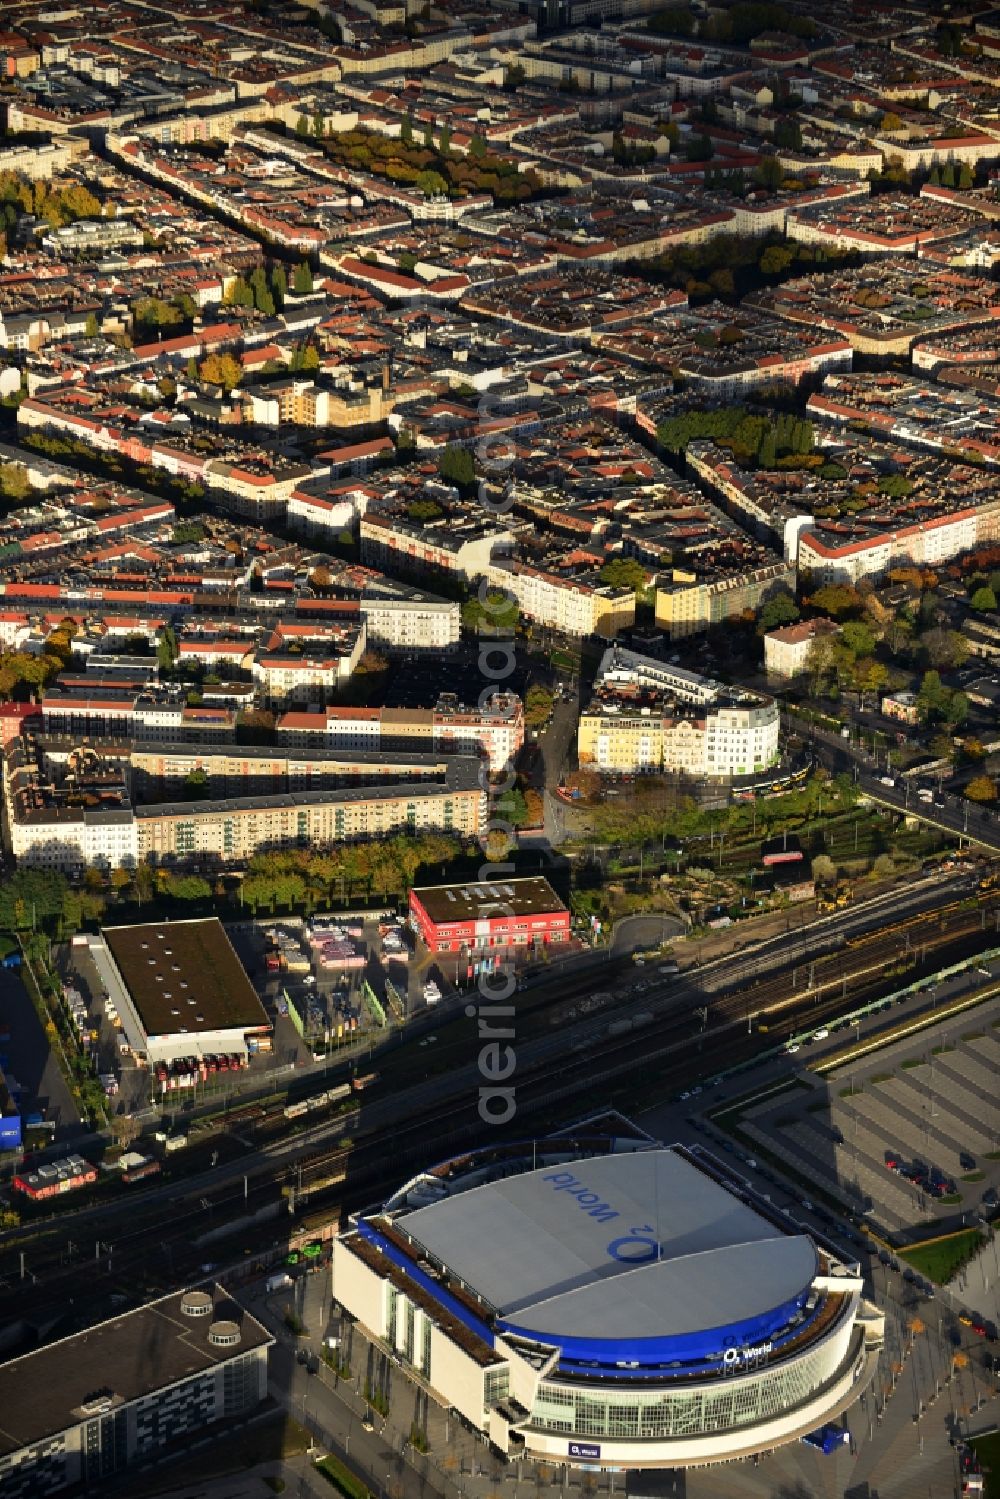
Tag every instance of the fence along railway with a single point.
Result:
(165, 1237)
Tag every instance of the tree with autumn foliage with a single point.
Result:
(221, 369)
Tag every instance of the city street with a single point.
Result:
(953, 815)
(28, 1060)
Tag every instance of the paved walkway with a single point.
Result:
(891, 1455)
(30, 1060)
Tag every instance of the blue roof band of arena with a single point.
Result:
(630, 1262)
(427, 1282)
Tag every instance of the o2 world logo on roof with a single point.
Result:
(587, 1201)
(636, 1247)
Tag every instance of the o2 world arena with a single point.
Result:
(609, 1303)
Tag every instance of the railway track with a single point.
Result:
(162, 1242)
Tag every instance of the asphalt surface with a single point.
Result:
(30, 1061)
(427, 1095)
(890, 1451)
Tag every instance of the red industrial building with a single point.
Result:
(54, 1177)
(480, 916)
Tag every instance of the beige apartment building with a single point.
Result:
(50, 833)
(230, 832)
(495, 731)
(303, 403)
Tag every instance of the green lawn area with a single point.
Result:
(939, 1261)
(987, 1449)
(334, 1471)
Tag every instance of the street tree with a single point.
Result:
(780, 609)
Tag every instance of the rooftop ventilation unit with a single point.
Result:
(196, 1304)
(224, 1334)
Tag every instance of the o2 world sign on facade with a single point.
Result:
(738, 1358)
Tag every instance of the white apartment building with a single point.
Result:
(463, 550)
(418, 623)
(726, 739)
(318, 515)
(570, 606)
(742, 737)
(786, 651)
(15, 627)
(927, 544)
(334, 727)
(649, 716)
(495, 731)
(287, 678)
(172, 723)
(622, 668)
(74, 839)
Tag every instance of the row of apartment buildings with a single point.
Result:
(647, 717)
(494, 729)
(71, 810)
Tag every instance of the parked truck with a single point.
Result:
(277, 1282)
(827, 1439)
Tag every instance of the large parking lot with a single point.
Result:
(929, 1104)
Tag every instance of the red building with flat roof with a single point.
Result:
(479, 916)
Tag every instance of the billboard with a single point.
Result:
(10, 1132)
